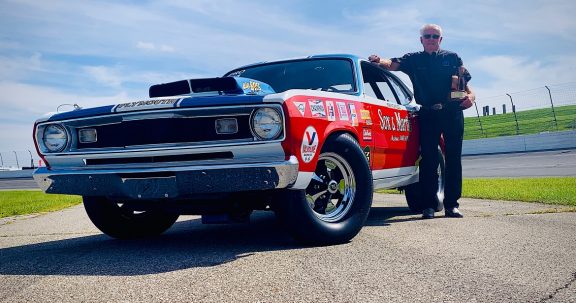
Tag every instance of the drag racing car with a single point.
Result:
(309, 139)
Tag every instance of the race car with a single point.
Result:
(308, 138)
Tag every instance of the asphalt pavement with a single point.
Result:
(499, 252)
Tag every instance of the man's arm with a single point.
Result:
(468, 101)
(385, 63)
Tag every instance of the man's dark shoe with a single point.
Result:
(428, 213)
(453, 213)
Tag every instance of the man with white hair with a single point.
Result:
(434, 72)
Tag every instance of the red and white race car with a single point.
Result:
(308, 138)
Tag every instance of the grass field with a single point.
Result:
(552, 190)
(529, 122)
(559, 191)
(22, 202)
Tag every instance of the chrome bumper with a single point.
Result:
(169, 182)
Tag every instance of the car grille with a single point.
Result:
(150, 129)
(164, 131)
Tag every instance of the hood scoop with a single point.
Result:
(211, 86)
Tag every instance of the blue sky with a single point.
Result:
(103, 52)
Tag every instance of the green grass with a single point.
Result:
(560, 191)
(553, 190)
(22, 202)
(529, 122)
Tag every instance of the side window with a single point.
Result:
(387, 92)
(376, 83)
(400, 92)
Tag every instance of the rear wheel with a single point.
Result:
(413, 192)
(335, 205)
(124, 221)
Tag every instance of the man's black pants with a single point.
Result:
(448, 122)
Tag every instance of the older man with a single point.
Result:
(432, 72)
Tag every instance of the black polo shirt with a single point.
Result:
(431, 74)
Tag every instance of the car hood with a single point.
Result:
(208, 92)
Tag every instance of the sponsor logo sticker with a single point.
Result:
(252, 86)
(301, 106)
(366, 151)
(342, 111)
(367, 134)
(309, 144)
(331, 111)
(353, 115)
(317, 108)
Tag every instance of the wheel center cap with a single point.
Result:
(332, 187)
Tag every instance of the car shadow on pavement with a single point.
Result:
(187, 244)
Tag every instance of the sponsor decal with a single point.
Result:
(146, 104)
(366, 151)
(301, 106)
(342, 111)
(367, 134)
(252, 86)
(317, 108)
(365, 115)
(309, 144)
(396, 123)
(353, 115)
(330, 111)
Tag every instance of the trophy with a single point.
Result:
(458, 87)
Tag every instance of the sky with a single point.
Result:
(94, 53)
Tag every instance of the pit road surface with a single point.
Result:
(499, 252)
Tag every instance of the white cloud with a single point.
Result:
(152, 47)
(105, 75)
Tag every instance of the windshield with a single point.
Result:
(319, 74)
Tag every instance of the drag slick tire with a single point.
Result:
(122, 221)
(336, 203)
(413, 192)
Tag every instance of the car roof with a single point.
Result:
(321, 56)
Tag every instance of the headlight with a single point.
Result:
(55, 138)
(266, 123)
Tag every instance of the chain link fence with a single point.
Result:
(543, 109)
(19, 159)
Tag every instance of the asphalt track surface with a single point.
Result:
(499, 252)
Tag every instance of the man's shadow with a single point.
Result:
(384, 216)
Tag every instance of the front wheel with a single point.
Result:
(413, 191)
(336, 203)
(123, 221)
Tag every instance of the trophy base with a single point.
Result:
(457, 94)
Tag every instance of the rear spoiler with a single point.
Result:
(211, 86)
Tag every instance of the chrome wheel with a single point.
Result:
(332, 189)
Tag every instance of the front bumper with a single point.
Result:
(169, 182)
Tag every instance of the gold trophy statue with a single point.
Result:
(458, 91)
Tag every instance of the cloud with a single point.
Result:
(105, 75)
(152, 47)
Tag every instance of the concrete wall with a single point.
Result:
(521, 143)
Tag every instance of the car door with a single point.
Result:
(394, 132)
